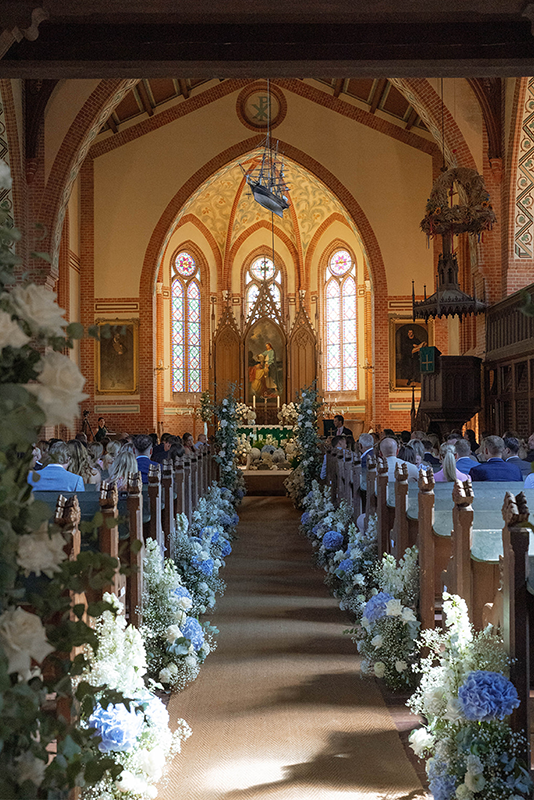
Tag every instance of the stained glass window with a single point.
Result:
(185, 324)
(262, 269)
(340, 324)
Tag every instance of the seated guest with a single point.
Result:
(96, 451)
(112, 451)
(338, 443)
(81, 464)
(419, 451)
(389, 449)
(387, 433)
(449, 470)
(366, 443)
(189, 446)
(160, 448)
(143, 450)
(494, 468)
(202, 440)
(405, 436)
(81, 437)
(55, 477)
(37, 459)
(511, 455)
(465, 459)
(429, 457)
(123, 465)
(530, 449)
(406, 453)
(339, 423)
(472, 439)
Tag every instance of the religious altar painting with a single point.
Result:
(265, 362)
(405, 341)
(117, 357)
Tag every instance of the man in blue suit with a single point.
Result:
(143, 449)
(494, 468)
(54, 477)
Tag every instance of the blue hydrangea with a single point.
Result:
(210, 532)
(332, 540)
(226, 549)
(117, 726)
(192, 630)
(485, 696)
(441, 783)
(347, 565)
(315, 529)
(375, 608)
(226, 520)
(182, 591)
(206, 566)
(235, 519)
(305, 518)
(240, 494)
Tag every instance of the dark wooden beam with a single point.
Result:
(338, 86)
(183, 88)
(145, 99)
(411, 119)
(378, 94)
(112, 124)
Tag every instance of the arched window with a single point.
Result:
(340, 323)
(185, 324)
(262, 269)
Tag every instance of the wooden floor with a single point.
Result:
(279, 711)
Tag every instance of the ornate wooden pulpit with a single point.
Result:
(451, 394)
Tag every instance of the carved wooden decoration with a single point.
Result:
(302, 355)
(226, 355)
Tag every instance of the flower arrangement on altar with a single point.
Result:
(387, 632)
(176, 644)
(308, 447)
(133, 735)
(245, 414)
(288, 415)
(39, 624)
(466, 699)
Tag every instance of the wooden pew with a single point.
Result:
(370, 499)
(356, 470)
(135, 550)
(108, 538)
(168, 512)
(385, 515)
(400, 536)
(427, 548)
(154, 528)
(187, 496)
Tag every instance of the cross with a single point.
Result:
(262, 109)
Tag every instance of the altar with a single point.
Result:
(266, 452)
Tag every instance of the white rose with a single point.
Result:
(173, 632)
(203, 587)
(165, 675)
(191, 660)
(393, 608)
(408, 615)
(128, 782)
(11, 334)
(30, 768)
(224, 423)
(358, 579)
(23, 637)
(474, 782)
(434, 700)
(5, 180)
(225, 402)
(185, 603)
(40, 553)
(376, 641)
(37, 306)
(379, 669)
(401, 666)
(59, 389)
(151, 761)
(365, 623)
(463, 793)
(205, 649)
(421, 740)
(453, 711)
(173, 669)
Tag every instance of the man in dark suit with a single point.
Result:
(143, 450)
(510, 455)
(339, 422)
(494, 468)
(429, 457)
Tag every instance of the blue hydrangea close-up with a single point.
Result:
(192, 630)
(226, 520)
(235, 519)
(332, 540)
(375, 608)
(347, 565)
(182, 591)
(305, 518)
(118, 727)
(206, 566)
(485, 696)
(226, 549)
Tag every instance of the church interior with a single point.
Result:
(136, 137)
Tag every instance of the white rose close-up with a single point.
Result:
(173, 632)
(394, 608)
(408, 615)
(23, 638)
(41, 553)
(37, 306)
(11, 334)
(379, 669)
(59, 389)
(421, 740)
(401, 666)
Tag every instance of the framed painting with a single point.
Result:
(117, 356)
(265, 362)
(406, 338)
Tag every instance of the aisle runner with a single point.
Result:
(279, 710)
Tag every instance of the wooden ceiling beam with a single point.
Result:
(145, 99)
(184, 88)
(338, 86)
(112, 124)
(378, 94)
(410, 122)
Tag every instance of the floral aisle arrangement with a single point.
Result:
(38, 624)
(299, 484)
(350, 576)
(197, 568)
(466, 698)
(176, 643)
(226, 444)
(288, 415)
(387, 633)
(134, 734)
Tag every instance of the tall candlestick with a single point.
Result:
(278, 402)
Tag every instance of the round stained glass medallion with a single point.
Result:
(340, 263)
(184, 265)
(262, 269)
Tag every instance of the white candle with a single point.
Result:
(205, 429)
(278, 401)
(253, 401)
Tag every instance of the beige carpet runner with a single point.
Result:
(279, 711)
